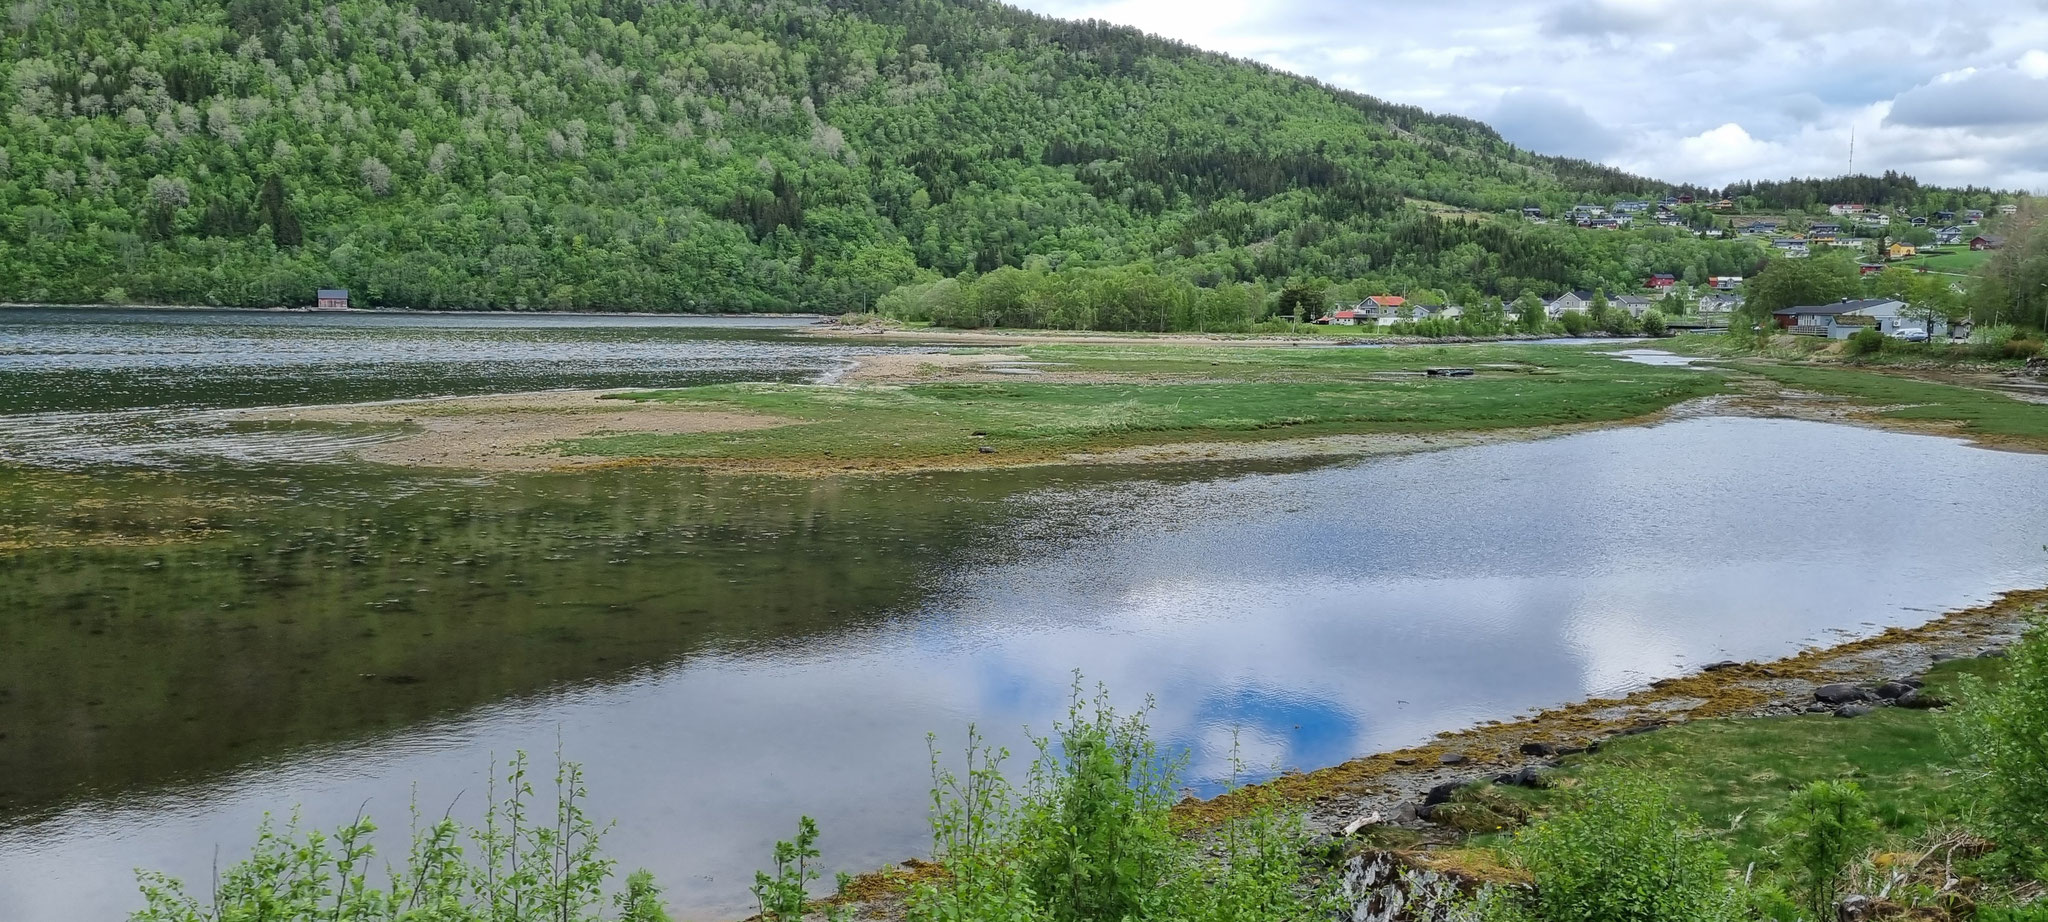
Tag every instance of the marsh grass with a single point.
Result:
(1140, 395)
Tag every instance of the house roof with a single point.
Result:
(333, 293)
(1836, 309)
(1993, 239)
(1387, 300)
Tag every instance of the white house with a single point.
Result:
(1843, 318)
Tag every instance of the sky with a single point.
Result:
(1954, 92)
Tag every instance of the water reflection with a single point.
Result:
(726, 654)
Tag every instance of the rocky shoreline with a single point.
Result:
(1402, 789)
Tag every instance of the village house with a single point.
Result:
(1792, 247)
(1760, 228)
(1724, 205)
(1532, 211)
(1944, 216)
(1845, 209)
(1724, 282)
(1718, 304)
(1948, 236)
(1823, 234)
(1630, 207)
(1661, 280)
(1919, 222)
(1568, 302)
(1843, 318)
(331, 299)
(1636, 305)
(1973, 216)
(1869, 268)
(1901, 251)
(2008, 209)
(1987, 242)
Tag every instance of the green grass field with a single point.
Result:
(1739, 775)
(1954, 259)
(1140, 394)
(1979, 412)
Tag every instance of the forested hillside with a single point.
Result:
(719, 155)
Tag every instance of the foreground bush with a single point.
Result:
(1089, 838)
(1622, 851)
(2001, 732)
(519, 868)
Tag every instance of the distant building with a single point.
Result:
(1661, 280)
(1724, 282)
(2008, 209)
(1987, 242)
(1636, 305)
(1720, 304)
(1901, 251)
(331, 299)
(1973, 216)
(1948, 236)
(1845, 209)
(1839, 320)
(1568, 302)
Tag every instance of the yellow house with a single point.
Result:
(1902, 251)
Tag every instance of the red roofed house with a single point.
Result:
(1662, 280)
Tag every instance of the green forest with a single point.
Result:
(726, 156)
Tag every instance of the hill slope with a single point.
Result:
(635, 154)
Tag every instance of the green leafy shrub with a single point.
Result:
(1096, 838)
(1653, 323)
(1089, 838)
(783, 895)
(2001, 732)
(2022, 348)
(1623, 851)
(1827, 826)
(525, 868)
(1867, 341)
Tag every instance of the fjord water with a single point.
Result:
(198, 638)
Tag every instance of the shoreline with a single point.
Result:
(1384, 789)
(402, 311)
(1009, 337)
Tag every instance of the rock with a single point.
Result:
(1890, 691)
(1538, 749)
(1853, 909)
(1841, 693)
(1405, 814)
(1920, 701)
(1370, 819)
(1945, 657)
(1818, 708)
(1451, 758)
(1441, 793)
(1527, 777)
(1854, 710)
(1717, 667)
(1994, 653)
(1913, 681)
(988, 449)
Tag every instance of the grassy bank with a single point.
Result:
(1738, 775)
(1072, 398)
(1980, 414)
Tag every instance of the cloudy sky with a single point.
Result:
(1708, 91)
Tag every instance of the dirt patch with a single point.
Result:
(511, 432)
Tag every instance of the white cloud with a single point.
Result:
(1954, 93)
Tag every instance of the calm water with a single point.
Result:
(228, 637)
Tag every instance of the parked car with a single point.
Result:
(1910, 334)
